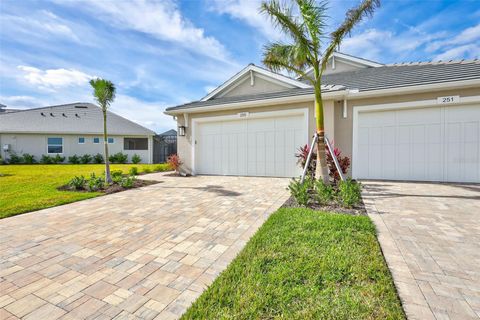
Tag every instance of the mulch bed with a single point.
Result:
(113, 188)
(332, 207)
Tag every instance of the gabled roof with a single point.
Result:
(351, 60)
(170, 132)
(74, 118)
(279, 78)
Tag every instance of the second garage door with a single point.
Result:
(263, 146)
(425, 144)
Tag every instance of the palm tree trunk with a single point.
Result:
(321, 170)
(108, 178)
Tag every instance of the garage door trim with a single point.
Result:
(250, 115)
(397, 106)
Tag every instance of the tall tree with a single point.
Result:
(306, 27)
(104, 94)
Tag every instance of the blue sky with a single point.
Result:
(163, 53)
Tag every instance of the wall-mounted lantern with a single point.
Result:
(181, 131)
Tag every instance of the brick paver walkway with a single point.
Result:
(141, 254)
(430, 236)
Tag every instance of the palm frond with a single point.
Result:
(283, 18)
(103, 91)
(314, 17)
(278, 56)
(352, 18)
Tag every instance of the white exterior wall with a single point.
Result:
(36, 144)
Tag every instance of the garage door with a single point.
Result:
(251, 146)
(426, 144)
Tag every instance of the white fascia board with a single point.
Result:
(355, 61)
(270, 75)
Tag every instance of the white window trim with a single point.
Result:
(84, 140)
(397, 106)
(62, 145)
(253, 115)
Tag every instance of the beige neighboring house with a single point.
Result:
(71, 129)
(413, 121)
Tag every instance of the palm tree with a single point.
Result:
(307, 32)
(104, 94)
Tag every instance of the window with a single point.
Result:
(111, 140)
(96, 140)
(135, 143)
(54, 145)
(81, 140)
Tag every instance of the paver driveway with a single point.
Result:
(145, 253)
(430, 236)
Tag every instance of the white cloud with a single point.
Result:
(468, 51)
(52, 79)
(248, 12)
(20, 102)
(160, 19)
(467, 36)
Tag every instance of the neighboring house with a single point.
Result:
(414, 121)
(164, 145)
(71, 129)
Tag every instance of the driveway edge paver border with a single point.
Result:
(413, 301)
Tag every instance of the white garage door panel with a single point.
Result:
(250, 147)
(427, 144)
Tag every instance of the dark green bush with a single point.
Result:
(86, 158)
(77, 183)
(74, 159)
(133, 171)
(136, 158)
(324, 193)
(58, 159)
(29, 158)
(98, 158)
(118, 158)
(15, 158)
(349, 193)
(116, 175)
(46, 159)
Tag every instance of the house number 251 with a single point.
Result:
(448, 99)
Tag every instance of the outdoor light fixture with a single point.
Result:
(181, 131)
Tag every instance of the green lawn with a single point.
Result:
(25, 188)
(304, 264)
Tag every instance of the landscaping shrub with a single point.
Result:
(349, 193)
(29, 158)
(146, 170)
(118, 158)
(95, 183)
(77, 183)
(58, 159)
(86, 158)
(15, 158)
(161, 167)
(344, 162)
(324, 193)
(300, 191)
(74, 159)
(116, 175)
(133, 171)
(136, 158)
(174, 162)
(127, 182)
(98, 158)
(46, 159)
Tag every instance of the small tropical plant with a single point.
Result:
(95, 183)
(77, 183)
(349, 193)
(118, 158)
(136, 158)
(74, 159)
(127, 182)
(86, 158)
(98, 158)
(307, 32)
(324, 193)
(46, 159)
(300, 191)
(104, 94)
(133, 171)
(29, 158)
(58, 159)
(117, 175)
(174, 162)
